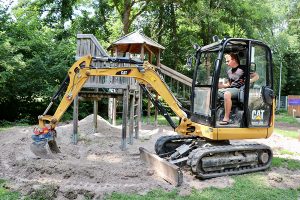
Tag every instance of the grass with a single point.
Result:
(290, 164)
(6, 124)
(291, 134)
(249, 186)
(287, 152)
(283, 116)
(6, 194)
(48, 192)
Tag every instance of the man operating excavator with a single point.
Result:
(236, 81)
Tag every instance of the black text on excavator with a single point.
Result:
(207, 147)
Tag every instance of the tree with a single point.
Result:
(129, 10)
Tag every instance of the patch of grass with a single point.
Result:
(48, 192)
(154, 194)
(7, 124)
(287, 152)
(6, 194)
(291, 134)
(284, 117)
(249, 186)
(286, 163)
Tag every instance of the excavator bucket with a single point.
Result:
(40, 149)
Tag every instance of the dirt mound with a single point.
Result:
(96, 166)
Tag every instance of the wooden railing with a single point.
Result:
(178, 83)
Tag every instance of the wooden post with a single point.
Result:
(75, 120)
(114, 111)
(150, 57)
(95, 121)
(148, 111)
(109, 110)
(156, 111)
(139, 113)
(131, 123)
(142, 53)
(124, 116)
(158, 58)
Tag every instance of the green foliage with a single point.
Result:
(286, 163)
(38, 39)
(5, 194)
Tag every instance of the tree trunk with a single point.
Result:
(126, 16)
(160, 23)
(174, 36)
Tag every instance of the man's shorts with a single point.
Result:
(234, 92)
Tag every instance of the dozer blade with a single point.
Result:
(40, 149)
(168, 171)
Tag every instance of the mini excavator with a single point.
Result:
(206, 147)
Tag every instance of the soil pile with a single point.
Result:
(96, 166)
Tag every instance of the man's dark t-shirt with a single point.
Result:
(237, 76)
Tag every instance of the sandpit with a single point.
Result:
(97, 166)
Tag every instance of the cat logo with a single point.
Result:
(123, 72)
(258, 115)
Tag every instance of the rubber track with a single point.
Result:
(196, 155)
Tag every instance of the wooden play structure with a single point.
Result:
(134, 45)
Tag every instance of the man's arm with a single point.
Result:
(223, 85)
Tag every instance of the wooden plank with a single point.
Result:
(100, 85)
(99, 47)
(78, 48)
(168, 171)
(88, 47)
(176, 75)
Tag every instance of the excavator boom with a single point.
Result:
(78, 74)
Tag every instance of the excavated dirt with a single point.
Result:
(96, 166)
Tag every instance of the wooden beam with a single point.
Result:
(95, 121)
(124, 117)
(142, 53)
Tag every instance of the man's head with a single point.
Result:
(232, 60)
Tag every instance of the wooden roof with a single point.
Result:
(133, 42)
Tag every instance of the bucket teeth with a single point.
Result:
(53, 146)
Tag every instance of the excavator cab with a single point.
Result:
(253, 107)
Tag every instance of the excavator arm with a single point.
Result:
(77, 76)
